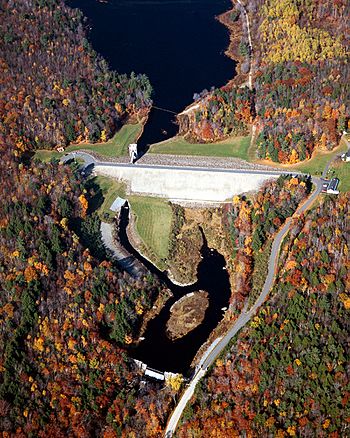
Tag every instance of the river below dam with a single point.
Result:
(178, 44)
(157, 350)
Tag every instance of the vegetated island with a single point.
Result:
(67, 313)
(187, 314)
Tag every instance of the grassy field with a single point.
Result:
(47, 156)
(115, 147)
(153, 217)
(341, 170)
(153, 224)
(316, 164)
(110, 189)
(232, 147)
(320, 159)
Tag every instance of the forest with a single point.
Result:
(67, 314)
(66, 317)
(220, 113)
(251, 223)
(287, 373)
(54, 85)
(300, 75)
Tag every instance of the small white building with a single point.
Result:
(132, 152)
(346, 156)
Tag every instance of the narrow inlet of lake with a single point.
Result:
(178, 44)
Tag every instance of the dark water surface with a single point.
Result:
(178, 43)
(180, 46)
(157, 350)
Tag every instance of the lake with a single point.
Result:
(178, 44)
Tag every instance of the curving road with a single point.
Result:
(220, 343)
(213, 352)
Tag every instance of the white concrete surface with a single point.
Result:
(117, 204)
(155, 374)
(191, 184)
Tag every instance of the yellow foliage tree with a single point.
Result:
(84, 205)
(174, 381)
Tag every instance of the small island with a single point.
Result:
(187, 314)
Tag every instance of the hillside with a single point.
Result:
(287, 374)
(66, 316)
(54, 85)
(69, 317)
(300, 77)
(67, 313)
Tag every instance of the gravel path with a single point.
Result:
(125, 260)
(198, 161)
(181, 161)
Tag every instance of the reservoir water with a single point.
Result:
(178, 44)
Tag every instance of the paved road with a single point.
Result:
(220, 343)
(89, 160)
(325, 170)
(244, 317)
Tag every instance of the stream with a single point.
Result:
(157, 350)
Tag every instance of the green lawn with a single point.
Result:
(47, 156)
(153, 224)
(115, 147)
(317, 163)
(153, 217)
(342, 171)
(110, 189)
(232, 147)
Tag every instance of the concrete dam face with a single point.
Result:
(191, 184)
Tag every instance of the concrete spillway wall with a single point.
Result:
(186, 184)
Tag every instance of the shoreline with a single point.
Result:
(130, 120)
(240, 79)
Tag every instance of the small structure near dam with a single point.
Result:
(162, 376)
